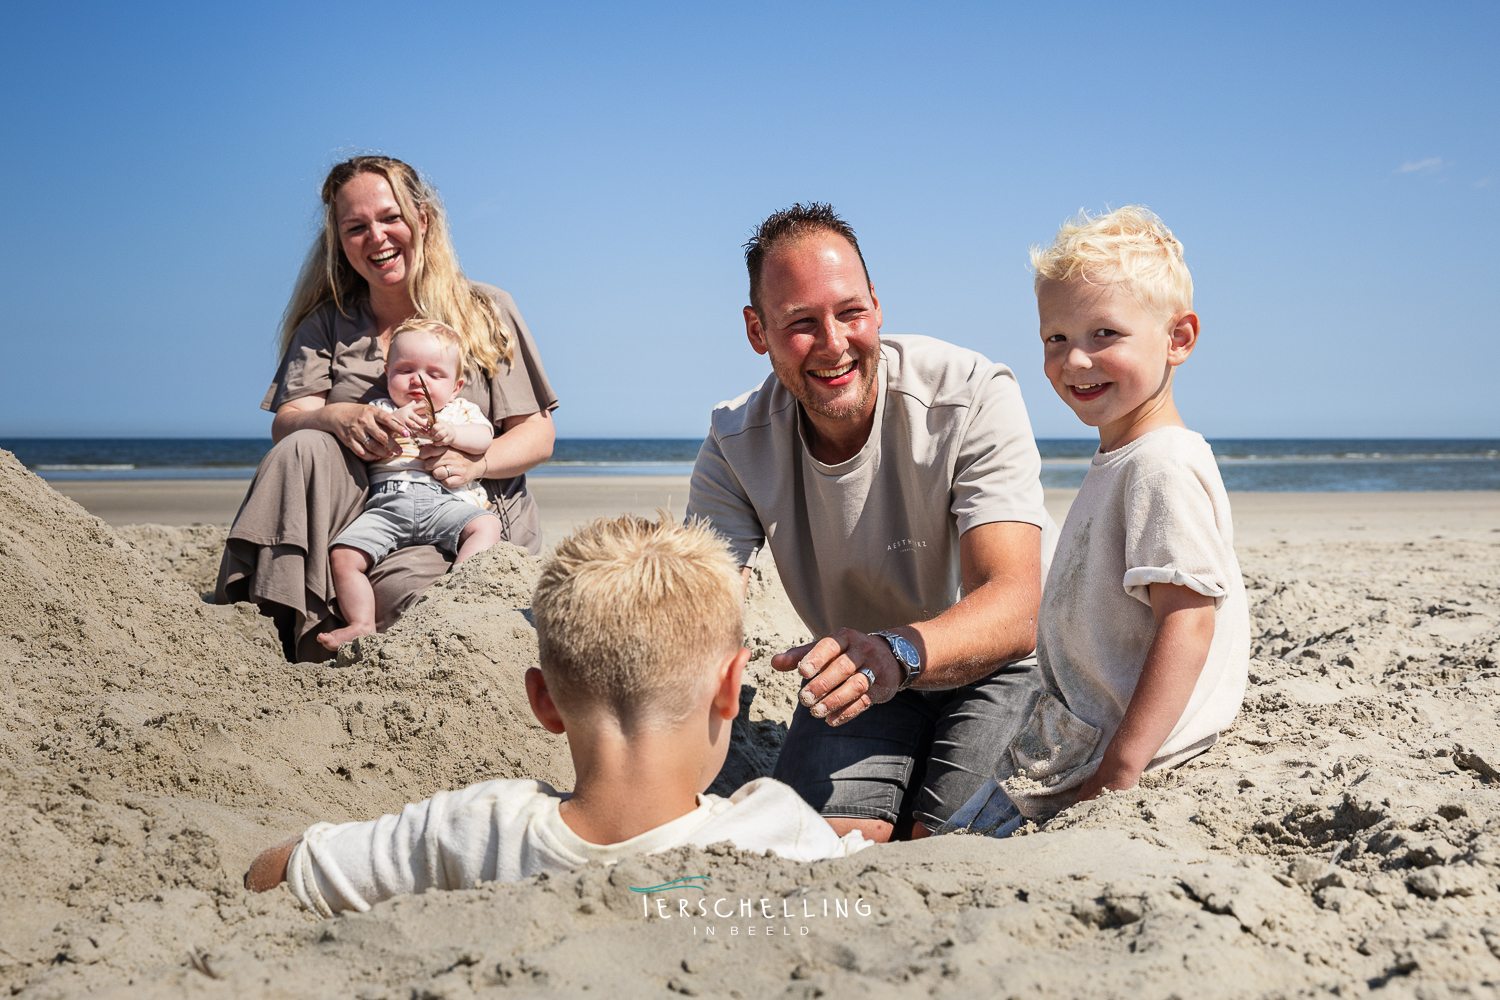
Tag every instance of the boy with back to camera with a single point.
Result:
(407, 506)
(1144, 630)
(639, 630)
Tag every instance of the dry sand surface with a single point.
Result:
(1343, 838)
(172, 502)
(564, 500)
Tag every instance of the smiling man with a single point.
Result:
(895, 480)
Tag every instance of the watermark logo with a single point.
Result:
(792, 914)
(686, 882)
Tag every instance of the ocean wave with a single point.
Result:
(1373, 456)
(1329, 459)
(83, 468)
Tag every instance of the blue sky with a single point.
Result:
(1333, 170)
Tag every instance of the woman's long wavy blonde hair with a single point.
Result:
(438, 287)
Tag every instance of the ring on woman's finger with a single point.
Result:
(869, 676)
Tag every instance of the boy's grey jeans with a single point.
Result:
(1039, 774)
(1036, 776)
(989, 813)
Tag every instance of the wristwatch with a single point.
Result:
(906, 654)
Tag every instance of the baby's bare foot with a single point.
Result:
(331, 641)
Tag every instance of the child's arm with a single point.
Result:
(450, 841)
(268, 870)
(472, 438)
(1184, 630)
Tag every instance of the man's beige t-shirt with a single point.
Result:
(1151, 511)
(872, 543)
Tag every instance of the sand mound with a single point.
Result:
(1345, 837)
(187, 555)
(99, 664)
(152, 743)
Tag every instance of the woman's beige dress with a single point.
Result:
(309, 487)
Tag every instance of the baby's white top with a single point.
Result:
(408, 465)
(506, 830)
(1151, 511)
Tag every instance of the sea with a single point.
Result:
(1247, 464)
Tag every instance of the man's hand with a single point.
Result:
(994, 624)
(837, 690)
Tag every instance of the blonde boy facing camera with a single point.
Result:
(1143, 632)
(639, 629)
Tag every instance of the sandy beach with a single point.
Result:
(567, 501)
(564, 500)
(1342, 839)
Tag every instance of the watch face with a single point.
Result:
(906, 651)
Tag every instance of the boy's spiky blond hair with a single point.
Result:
(634, 614)
(1131, 246)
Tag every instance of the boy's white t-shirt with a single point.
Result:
(506, 830)
(408, 465)
(1151, 511)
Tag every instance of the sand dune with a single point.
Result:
(1343, 838)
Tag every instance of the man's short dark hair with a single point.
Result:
(789, 225)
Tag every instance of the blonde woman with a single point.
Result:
(383, 256)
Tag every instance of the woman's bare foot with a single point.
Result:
(331, 641)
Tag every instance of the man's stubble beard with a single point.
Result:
(799, 386)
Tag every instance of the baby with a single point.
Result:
(1144, 630)
(424, 365)
(638, 627)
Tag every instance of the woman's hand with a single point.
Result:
(451, 467)
(523, 442)
(368, 431)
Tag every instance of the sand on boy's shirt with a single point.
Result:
(507, 830)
